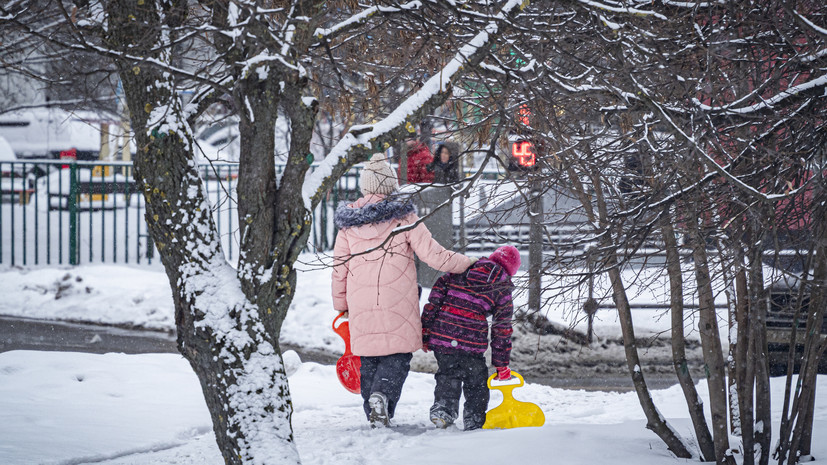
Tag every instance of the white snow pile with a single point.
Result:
(70, 408)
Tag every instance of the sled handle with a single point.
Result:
(343, 330)
(507, 384)
(335, 328)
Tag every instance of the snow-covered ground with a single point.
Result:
(140, 296)
(70, 408)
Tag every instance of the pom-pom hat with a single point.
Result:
(377, 177)
(508, 257)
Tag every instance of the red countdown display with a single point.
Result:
(523, 153)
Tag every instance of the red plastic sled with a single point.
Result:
(348, 367)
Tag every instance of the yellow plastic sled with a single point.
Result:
(512, 413)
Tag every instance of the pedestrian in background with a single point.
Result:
(418, 159)
(445, 165)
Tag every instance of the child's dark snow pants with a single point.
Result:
(385, 374)
(467, 374)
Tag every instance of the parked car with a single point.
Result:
(6, 154)
(218, 142)
(783, 302)
(14, 182)
(45, 132)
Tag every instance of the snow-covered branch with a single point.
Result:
(815, 27)
(361, 17)
(618, 8)
(357, 144)
(704, 154)
(768, 103)
(692, 4)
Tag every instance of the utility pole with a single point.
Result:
(535, 246)
(524, 160)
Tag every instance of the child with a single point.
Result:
(455, 328)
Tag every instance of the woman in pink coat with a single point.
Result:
(374, 280)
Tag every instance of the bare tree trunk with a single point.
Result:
(711, 343)
(728, 263)
(807, 430)
(799, 428)
(535, 247)
(743, 370)
(757, 358)
(732, 368)
(693, 401)
(221, 332)
(654, 420)
(785, 426)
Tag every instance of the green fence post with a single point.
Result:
(74, 253)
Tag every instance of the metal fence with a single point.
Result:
(60, 212)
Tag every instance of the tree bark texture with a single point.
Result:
(223, 316)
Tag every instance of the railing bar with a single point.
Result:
(1, 223)
(217, 199)
(138, 229)
(48, 218)
(114, 224)
(230, 204)
(128, 199)
(102, 215)
(36, 221)
(59, 215)
(25, 215)
(91, 233)
(12, 218)
(74, 216)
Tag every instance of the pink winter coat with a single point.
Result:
(378, 288)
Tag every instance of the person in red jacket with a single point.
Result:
(419, 157)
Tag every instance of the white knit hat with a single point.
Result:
(377, 177)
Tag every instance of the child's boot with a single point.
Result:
(473, 421)
(378, 410)
(441, 417)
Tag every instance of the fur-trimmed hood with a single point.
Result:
(369, 211)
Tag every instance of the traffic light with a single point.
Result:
(523, 157)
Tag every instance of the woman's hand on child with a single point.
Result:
(503, 373)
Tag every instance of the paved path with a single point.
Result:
(31, 334)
